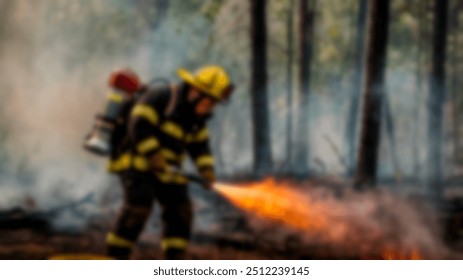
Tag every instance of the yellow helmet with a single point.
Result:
(211, 80)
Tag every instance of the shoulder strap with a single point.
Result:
(173, 100)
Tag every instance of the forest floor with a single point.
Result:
(28, 244)
(351, 228)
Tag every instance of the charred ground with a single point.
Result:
(224, 229)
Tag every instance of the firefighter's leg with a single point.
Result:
(177, 219)
(137, 204)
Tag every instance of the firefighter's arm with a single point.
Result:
(145, 134)
(200, 152)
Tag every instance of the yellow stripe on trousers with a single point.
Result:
(174, 243)
(115, 240)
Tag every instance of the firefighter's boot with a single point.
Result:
(128, 227)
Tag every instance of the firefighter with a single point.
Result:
(164, 125)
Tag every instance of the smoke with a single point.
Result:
(55, 60)
(51, 103)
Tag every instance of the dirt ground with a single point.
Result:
(30, 244)
(233, 239)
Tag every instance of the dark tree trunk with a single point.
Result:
(306, 27)
(259, 105)
(373, 93)
(352, 120)
(455, 83)
(458, 84)
(437, 98)
(289, 80)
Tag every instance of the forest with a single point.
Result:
(343, 139)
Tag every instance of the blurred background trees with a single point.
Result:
(297, 65)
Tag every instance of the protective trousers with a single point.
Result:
(140, 192)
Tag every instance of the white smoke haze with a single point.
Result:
(51, 102)
(55, 65)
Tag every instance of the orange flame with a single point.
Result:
(390, 254)
(268, 200)
(286, 205)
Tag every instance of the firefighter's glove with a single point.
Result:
(209, 179)
(158, 163)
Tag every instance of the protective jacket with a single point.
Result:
(162, 122)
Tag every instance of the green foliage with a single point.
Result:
(211, 9)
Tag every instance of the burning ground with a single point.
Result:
(268, 219)
(347, 224)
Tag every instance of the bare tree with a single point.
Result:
(421, 31)
(373, 93)
(437, 98)
(390, 132)
(289, 79)
(153, 11)
(352, 120)
(306, 28)
(259, 104)
(5, 9)
(455, 80)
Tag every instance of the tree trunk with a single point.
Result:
(419, 66)
(5, 10)
(289, 80)
(458, 84)
(153, 11)
(306, 27)
(352, 120)
(390, 131)
(437, 99)
(454, 90)
(259, 105)
(373, 93)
